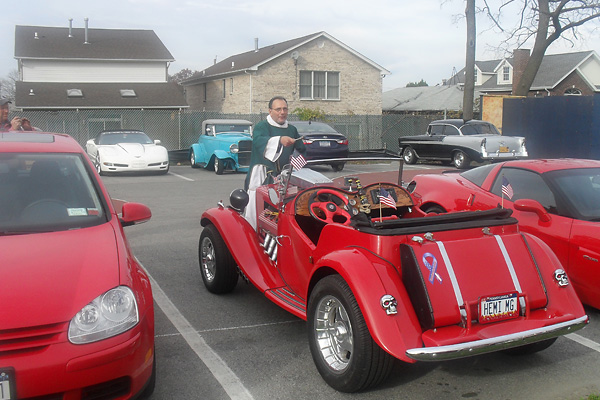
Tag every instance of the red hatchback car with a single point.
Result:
(557, 200)
(77, 314)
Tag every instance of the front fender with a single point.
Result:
(242, 241)
(370, 277)
(222, 154)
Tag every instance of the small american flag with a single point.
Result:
(507, 189)
(297, 162)
(386, 198)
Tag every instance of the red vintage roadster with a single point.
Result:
(378, 280)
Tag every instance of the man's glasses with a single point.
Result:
(280, 109)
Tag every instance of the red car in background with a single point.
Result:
(557, 200)
(76, 307)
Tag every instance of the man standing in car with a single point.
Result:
(273, 142)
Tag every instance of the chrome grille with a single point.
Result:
(244, 153)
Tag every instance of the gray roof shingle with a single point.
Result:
(104, 44)
(553, 69)
(53, 96)
(252, 60)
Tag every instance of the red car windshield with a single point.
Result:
(42, 192)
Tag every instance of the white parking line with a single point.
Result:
(224, 375)
(584, 341)
(181, 176)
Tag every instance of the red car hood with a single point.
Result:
(47, 278)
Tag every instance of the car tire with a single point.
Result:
(217, 266)
(193, 159)
(460, 160)
(433, 209)
(530, 348)
(219, 166)
(409, 155)
(338, 166)
(342, 348)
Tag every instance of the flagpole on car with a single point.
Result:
(380, 206)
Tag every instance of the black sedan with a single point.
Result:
(323, 143)
(460, 142)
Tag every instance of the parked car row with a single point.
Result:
(380, 272)
(227, 145)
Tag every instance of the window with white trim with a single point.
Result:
(573, 92)
(506, 73)
(319, 85)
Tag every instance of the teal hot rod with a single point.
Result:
(224, 144)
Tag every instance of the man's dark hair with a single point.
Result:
(276, 98)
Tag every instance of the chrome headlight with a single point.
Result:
(234, 148)
(109, 314)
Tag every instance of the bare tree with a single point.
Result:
(469, 92)
(7, 85)
(182, 75)
(544, 21)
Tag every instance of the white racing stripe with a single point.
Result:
(228, 380)
(584, 341)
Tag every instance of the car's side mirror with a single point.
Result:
(134, 213)
(533, 206)
(273, 196)
(157, 142)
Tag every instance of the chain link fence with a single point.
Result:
(177, 130)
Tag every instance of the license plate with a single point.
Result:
(7, 384)
(503, 149)
(497, 308)
(325, 143)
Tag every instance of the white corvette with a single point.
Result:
(127, 151)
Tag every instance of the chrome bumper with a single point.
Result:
(482, 346)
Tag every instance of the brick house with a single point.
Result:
(314, 71)
(559, 74)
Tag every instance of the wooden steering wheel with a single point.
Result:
(329, 206)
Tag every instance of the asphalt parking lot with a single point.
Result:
(242, 346)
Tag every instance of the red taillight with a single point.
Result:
(306, 141)
(345, 141)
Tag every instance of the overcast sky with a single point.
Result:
(414, 40)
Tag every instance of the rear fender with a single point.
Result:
(370, 277)
(243, 243)
(561, 299)
(199, 153)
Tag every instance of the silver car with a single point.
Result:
(461, 142)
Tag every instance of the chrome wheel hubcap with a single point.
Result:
(333, 333)
(208, 259)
